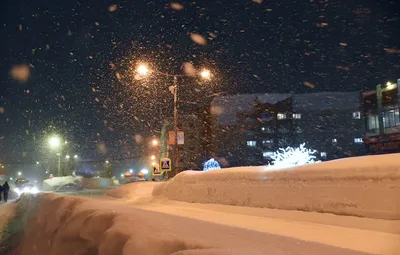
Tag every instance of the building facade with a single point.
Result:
(252, 127)
(382, 118)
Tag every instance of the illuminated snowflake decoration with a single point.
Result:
(293, 156)
(211, 164)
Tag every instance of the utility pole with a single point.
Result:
(176, 149)
(59, 165)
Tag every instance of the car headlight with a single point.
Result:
(34, 190)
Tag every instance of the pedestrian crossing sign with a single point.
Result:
(156, 171)
(165, 164)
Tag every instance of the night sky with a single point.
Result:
(81, 56)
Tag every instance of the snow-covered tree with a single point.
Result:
(211, 164)
(293, 156)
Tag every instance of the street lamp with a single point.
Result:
(143, 70)
(37, 162)
(153, 157)
(67, 157)
(205, 74)
(154, 142)
(75, 156)
(54, 142)
(19, 173)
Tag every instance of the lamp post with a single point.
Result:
(55, 143)
(205, 74)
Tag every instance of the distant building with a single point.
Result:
(382, 119)
(253, 126)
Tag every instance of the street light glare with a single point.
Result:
(205, 74)
(75, 156)
(67, 156)
(154, 142)
(153, 157)
(142, 70)
(54, 142)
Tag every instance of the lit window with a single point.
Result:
(323, 154)
(268, 141)
(251, 143)
(356, 115)
(334, 140)
(281, 116)
(296, 116)
(358, 140)
(268, 154)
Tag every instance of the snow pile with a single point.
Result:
(112, 228)
(135, 191)
(96, 183)
(364, 186)
(58, 182)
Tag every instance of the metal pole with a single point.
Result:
(176, 151)
(59, 165)
(380, 117)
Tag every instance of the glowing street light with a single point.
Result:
(144, 171)
(107, 162)
(75, 156)
(153, 157)
(54, 142)
(67, 156)
(131, 170)
(153, 163)
(143, 70)
(19, 173)
(154, 142)
(37, 162)
(205, 74)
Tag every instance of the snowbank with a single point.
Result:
(135, 191)
(112, 228)
(96, 183)
(364, 186)
(57, 182)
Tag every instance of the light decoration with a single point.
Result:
(211, 164)
(293, 156)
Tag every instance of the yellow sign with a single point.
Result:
(156, 171)
(165, 164)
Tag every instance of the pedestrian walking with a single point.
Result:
(6, 189)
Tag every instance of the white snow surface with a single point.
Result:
(67, 225)
(363, 186)
(227, 213)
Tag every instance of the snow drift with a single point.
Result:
(58, 182)
(96, 183)
(363, 186)
(65, 225)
